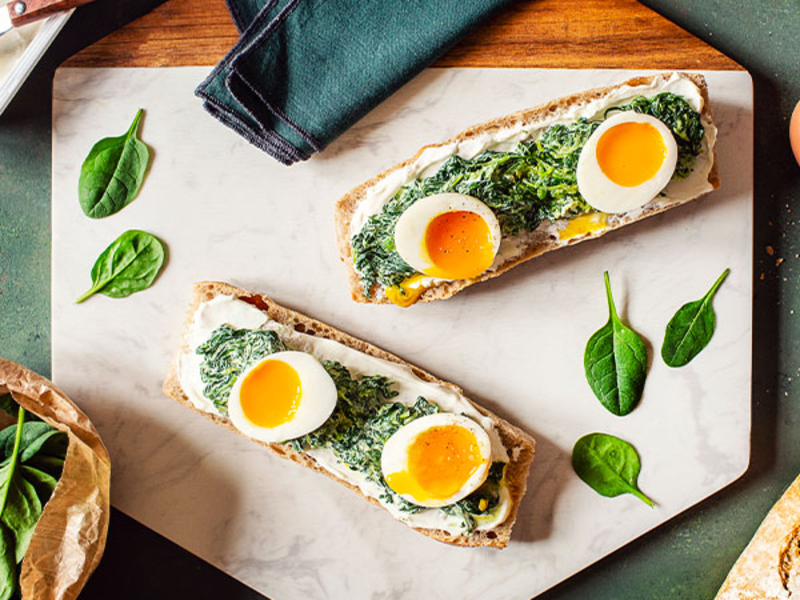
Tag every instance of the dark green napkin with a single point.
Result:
(304, 71)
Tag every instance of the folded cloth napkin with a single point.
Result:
(304, 71)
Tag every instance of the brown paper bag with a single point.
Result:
(71, 534)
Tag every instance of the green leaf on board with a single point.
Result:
(609, 465)
(615, 362)
(691, 328)
(130, 264)
(112, 174)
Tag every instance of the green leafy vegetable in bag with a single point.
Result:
(32, 456)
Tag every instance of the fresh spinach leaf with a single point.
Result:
(9, 580)
(690, 329)
(227, 353)
(615, 362)
(32, 455)
(113, 173)
(130, 264)
(609, 465)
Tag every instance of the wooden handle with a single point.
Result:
(26, 11)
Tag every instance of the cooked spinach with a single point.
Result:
(691, 328)
(609, 465)
(534, 182)
(227, 353)
(615, 362)
(677, 114)
(364, 418)
(130, 264)
(113, 173)
(32, 456)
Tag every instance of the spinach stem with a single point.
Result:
(12, 467)
(640, 495)
(135, 124)
(611, 308)
(717, 283)
(90, 292)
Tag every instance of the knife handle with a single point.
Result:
(26, 11)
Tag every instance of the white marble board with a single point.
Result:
(515, 344)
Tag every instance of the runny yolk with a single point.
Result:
(271, 393)
(631, 153)
(440, 461)
(583, 225)
(406, 292)
(459, 244)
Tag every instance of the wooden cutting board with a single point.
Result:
(547, 34)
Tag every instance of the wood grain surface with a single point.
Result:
(570, 34)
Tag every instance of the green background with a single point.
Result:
(688, 557)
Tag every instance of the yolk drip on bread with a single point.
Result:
(407, 292)
(631, 153)
(440, 461)
(271, 393)
(583, 225)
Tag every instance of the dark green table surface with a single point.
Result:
(686, 558)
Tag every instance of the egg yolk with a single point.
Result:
(270, 394)
(440, 461)
(459, 244)
(583, 225)
(631, 153)
(406, 293)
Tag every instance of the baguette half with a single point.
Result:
(769, 568)
(537, 242)
(519, 445)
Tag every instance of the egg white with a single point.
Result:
(317, 401)
(609, 197)
(395, 453)
(409, 232)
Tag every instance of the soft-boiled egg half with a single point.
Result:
(448, 236)
(282, 397)
(626, 162)
(437, 460)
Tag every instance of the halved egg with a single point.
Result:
(437, 460)
(626, 162)
(448, 236)
(282, 397)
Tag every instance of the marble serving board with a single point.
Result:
(515, 344)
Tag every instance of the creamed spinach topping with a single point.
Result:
(532, 183)
(365, 417)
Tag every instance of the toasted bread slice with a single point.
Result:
(519, 445)
(537, 242)
(769, 568)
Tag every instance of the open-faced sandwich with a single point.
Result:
(769, 568)
(505, 191)
(398, 436)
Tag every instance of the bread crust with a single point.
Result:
(537, 244)
(520, 445)
(768, 568)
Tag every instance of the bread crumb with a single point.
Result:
(761, 277)
(770, 250)
(778, 262)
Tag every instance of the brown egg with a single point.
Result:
(794, 132)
